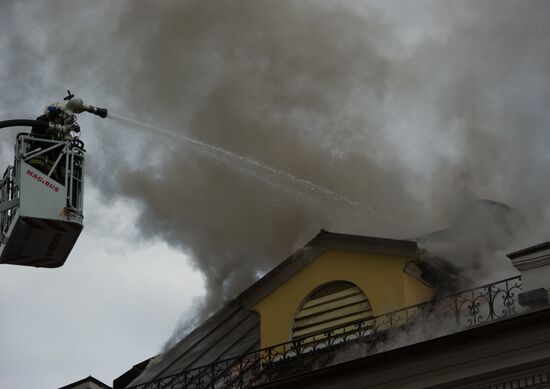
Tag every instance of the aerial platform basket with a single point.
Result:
(41, 199)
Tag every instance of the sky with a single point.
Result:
(274, 120)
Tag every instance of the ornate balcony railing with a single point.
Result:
(454, 313)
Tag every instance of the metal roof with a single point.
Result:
(232, 331)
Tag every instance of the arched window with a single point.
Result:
(332, 305)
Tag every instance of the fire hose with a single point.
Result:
(24, 123)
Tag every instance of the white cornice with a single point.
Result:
(532, 261)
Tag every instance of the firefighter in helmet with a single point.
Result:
(57, 113)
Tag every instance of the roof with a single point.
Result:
(235, 329)
(85, 380)
(232, 331)
(125, 379)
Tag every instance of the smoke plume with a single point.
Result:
(412, 112)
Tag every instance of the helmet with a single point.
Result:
(75, 105)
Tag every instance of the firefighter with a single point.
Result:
(44, 162)
(54, 114)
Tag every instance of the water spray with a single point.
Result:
(249, 165)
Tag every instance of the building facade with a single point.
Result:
(360, 312)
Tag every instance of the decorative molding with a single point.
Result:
(530, 262)
(541, 380)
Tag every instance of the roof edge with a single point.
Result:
(529, 250)
(321, 243)
(89, 378)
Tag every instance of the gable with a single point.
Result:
(380, 277)
(323, 242)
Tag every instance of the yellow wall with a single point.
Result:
(381, 278)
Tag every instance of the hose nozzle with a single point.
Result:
(76, 105)
(101, 112)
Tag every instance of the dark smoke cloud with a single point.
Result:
(416, 120)
(277, 83)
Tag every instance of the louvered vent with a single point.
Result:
(333, 305)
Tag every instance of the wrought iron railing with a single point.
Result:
(454, 313)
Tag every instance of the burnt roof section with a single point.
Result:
(84, 380)
(484, 225)
(322, 242)
(530, 250)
